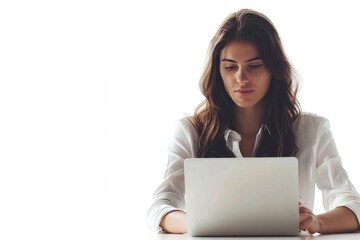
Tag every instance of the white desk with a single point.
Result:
(345, 236)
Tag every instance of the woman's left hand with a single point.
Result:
(308, 220)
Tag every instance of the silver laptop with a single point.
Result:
(242, 196)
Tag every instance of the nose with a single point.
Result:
(241, 76)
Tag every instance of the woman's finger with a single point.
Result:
(304, 210)
(306, 222)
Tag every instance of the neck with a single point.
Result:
(247, 121)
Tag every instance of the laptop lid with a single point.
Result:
(242, 196)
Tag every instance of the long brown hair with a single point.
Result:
(280, 106)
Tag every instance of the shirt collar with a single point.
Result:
(233, 138)
(231, 135)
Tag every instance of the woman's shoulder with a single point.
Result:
(310, 118)
(185, 126)
(186, 123)
(309, 121)
(184, 137)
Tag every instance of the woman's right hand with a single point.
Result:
(174, 222)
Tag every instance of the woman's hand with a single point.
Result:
(308, 220)
(338, 220)
(174, 222)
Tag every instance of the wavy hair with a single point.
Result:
(280, 106)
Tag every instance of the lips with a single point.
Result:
(244, 91)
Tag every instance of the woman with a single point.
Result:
(251, 109)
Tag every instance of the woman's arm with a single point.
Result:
(338, 220)
(170, 195)
(174, 222)
(340, 198)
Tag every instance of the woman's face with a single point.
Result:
(245, 77)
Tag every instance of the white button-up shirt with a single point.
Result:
(319, 163)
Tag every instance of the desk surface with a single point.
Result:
(344, 236)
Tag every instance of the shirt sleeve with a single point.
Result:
(170, 195)
(331, 177)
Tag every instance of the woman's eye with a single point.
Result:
(230, 67)
(255, 66)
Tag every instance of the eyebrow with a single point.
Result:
(230, 60)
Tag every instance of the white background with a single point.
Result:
(90, 90)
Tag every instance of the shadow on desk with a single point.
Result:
(302, 236)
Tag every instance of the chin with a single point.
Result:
(247, 105)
